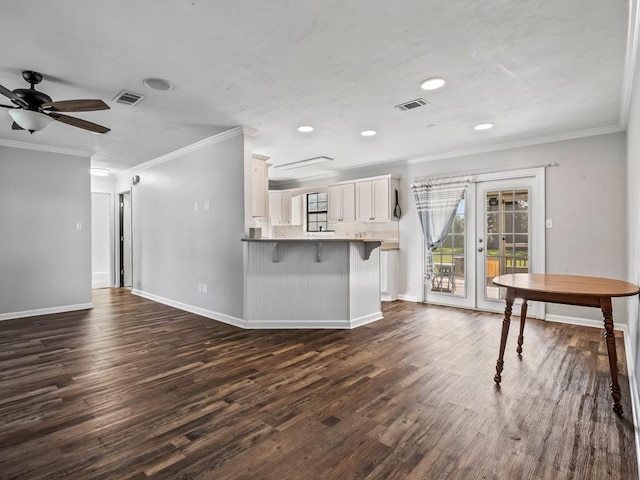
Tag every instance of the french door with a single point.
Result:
(498, 229)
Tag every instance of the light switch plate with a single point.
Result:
(549, 223)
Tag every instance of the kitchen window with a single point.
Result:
(317, 212)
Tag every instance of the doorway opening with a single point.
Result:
(125, 241)
(498, 229)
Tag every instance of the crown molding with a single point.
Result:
(44, 148)
(220, 137)
(629, 62)
(558, 137)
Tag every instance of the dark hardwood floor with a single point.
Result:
(135, 389)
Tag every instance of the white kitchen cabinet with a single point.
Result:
(342, 203)
(297, 209)
(375, 199)
(280, 207)
(388, 275)
(260, 187)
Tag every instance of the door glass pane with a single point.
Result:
(448, 276)
(507, 239)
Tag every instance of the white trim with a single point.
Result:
(44, 148)
(101, 279)
(633, 389)
(629, 62)
(46, 311)
(583, 322)
(220, 137)
(260, 324)
(221, 317)
(558, 137)
(317, 324)
(407, 298)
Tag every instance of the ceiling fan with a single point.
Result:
(34, 111)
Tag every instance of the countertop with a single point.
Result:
(386, 245)
(312, 239)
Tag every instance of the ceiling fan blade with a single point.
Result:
(8, 106)
(15, 126)
(86, 105)
(80, 123)
(9, 94)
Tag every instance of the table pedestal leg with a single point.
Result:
(523, 317)
(505, 333)
(607, 311)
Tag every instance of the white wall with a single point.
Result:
(101, 219)
(45, 262)
(585, 198)
(633, 215)
(176, 248)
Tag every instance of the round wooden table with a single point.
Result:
(568, 290)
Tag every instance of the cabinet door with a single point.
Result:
(384, 272)
(335, 203)
(348, 202)
(285, 208)
(364, 200)
(296, 209)
(381, 203)
(275, 208)
(259, 182)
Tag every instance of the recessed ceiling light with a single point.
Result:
(432, 83)
(157, 84)
(484, 126)
(305, 128)
(100, 172)
(368, 133)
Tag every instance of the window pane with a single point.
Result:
(493, 223)
(521, 222)
(322, 207)
(493, 204)
(312, 197)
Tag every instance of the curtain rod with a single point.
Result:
(481, 172)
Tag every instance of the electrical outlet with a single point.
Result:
(549, 223)
(196, 207)
(205, 289)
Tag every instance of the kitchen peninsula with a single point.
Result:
(311, 282)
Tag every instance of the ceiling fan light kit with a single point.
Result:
(31, 120)
(34, 111)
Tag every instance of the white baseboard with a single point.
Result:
(633, 388)
(584, 322)
(408, 298)
(261, 324)
(100, 279)
(221, 317)
(46, 311)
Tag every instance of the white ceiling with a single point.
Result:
(533, 68)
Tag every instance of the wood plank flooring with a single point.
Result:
(133, 389)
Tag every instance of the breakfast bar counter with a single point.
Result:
(311, 282)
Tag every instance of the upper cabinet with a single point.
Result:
(376, 198)
(342, 203)
(260, 187)
(285, 208)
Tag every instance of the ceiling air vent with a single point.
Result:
(418, 102)
(128, 98)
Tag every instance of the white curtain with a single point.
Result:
(437, 201)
